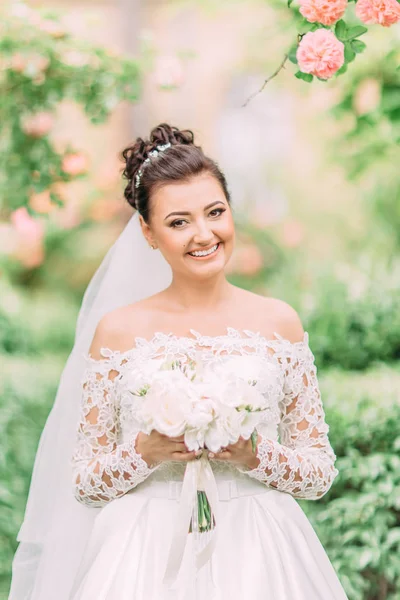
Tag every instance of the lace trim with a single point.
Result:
(306, 474)
(228, 341)
(103, 468)
(302, 464)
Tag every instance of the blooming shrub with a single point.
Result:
(42, 65)
(327, 42)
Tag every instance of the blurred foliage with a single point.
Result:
(368, 148)
(370, 104)
(34, 323)
(355, 331)
(42, 65)
(351, 311)
(358, 520)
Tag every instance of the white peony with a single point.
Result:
(167, 404)
(238, 393)
(204, 412)
(223, 430)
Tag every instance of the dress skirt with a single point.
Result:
(266, 549)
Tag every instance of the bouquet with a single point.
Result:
(211, 411)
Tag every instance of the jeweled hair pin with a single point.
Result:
(152, 154)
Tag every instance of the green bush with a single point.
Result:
(34, 324)
(27, 392)
(351, 311)
(358, 520)
(355, 332)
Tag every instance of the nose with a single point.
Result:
(204, 234)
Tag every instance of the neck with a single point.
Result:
(199, 296)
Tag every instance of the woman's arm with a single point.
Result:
(302, 464)
(102, 468)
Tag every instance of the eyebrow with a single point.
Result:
(185, 212)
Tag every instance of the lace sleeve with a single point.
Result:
(302, 464)
(103, 468)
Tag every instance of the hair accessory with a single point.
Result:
(152, 154)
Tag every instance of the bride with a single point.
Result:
(105, 518)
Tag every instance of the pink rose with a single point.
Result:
(380, 12)
(29, 238)
(326, 12)
(18, 62)
(37, 125)
(320, 53)
(75, 164)
(41, 202)
(169, 72)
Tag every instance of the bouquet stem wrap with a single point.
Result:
(198, 476)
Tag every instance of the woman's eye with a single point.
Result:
(216, 210)
(173, 224)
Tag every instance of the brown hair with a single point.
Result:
(179, 162)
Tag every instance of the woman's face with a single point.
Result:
(201, 218)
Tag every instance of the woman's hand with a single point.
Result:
(240, 453)
(156, 448)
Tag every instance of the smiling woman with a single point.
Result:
(237, 531)
(175, 183)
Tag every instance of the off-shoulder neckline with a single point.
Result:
(231, 334)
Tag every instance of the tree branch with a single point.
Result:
(281, 66)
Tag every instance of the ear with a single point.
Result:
(146, 231)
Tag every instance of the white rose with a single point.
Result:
(249, 422)
(238, 393)
(167, 404)
(203, 413)
(224, 430)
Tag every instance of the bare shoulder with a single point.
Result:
(114, 329)
(282, 318)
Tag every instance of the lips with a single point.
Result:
(204, 249)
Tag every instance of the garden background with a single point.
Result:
(313, 170)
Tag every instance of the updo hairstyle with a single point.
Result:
(179, 162)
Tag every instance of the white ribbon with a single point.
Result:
(198, 476)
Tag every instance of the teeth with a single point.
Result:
(204, 253)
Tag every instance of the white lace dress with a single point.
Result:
(266, 547)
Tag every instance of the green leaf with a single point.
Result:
(292, 54)
(341, 30)
(289, 3)
(358, 46)
(305, 26)
(304, 76)
(342, 70)
(349, 53)
(355, 32)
